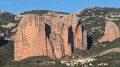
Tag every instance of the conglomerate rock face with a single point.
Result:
(111, 33)
(30, 39)
(54, 35)
(80, 38)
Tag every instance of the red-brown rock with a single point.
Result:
(80, 38)
(30, 39)
(50, 35)
(111, 32)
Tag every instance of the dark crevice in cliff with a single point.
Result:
(3, 41)
(82, 29)
(77, 26)
(89, 42)
(70, 37)
(47, 30)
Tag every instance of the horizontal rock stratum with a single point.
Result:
(54, 35)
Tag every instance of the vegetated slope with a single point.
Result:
(94, 20)
(6, 52)
(41, 12)
(112, 59)
(7, 23)
(36, 61)
(106, 55)
(110, 51)
(107, 60)
(6, 17)
(97, 49)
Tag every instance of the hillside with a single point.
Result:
(41, 12)
(93, 20)
(7, 24)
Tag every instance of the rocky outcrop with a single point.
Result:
(50, 35)
(111, 32)
(18, 17)
(30, 39)
(57, 44)
(80, 38)
(10, 25)
(63, 24)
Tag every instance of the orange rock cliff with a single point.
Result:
(54, 35)
(111, 32)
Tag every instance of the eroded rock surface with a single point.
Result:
(80, 38)
(30, 39)
(111, 32)
(52, 34)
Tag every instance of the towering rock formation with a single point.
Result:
(69, 27)
(50, 35)
(111, 32)
(65, 36)
(80, 38)
(30, 39)
(57, 44)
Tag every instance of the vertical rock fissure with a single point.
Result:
(71, 38)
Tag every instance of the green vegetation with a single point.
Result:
(6, 52)
(111, 60)
(41, 12)
(37, 61)
(98, 48)
(94, 20)
(6, 18)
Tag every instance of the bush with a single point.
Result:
(39, 61)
